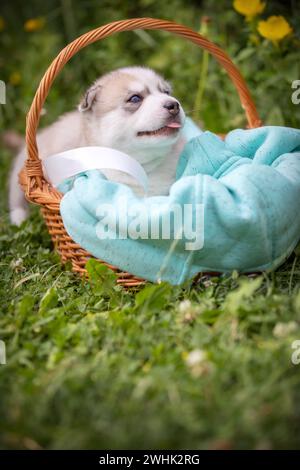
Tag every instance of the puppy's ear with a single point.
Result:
(89, 98)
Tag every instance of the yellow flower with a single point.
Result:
(249, 8)
(274, 28)
(34, 24)
(2, 24)
(15, 78)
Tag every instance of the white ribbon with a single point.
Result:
(64, 165)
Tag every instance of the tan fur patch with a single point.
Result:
(112, 92)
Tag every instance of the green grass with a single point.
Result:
(90, 365)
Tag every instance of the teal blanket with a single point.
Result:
(242, 198)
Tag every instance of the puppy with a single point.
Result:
(130, 109)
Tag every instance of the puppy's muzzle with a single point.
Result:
(172, 107)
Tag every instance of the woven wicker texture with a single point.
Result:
(39, 191)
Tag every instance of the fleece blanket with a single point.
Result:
(234, 206)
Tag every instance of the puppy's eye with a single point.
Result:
(167, 92)
(135, 99)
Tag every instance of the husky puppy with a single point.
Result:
(129, 109)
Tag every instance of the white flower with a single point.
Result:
(195, 357)
(184, 306)
(284, 329)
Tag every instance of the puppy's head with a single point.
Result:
(131, 109)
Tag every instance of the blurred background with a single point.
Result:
(267, 53)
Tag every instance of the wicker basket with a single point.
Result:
(39, 191)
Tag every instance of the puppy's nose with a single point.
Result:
(172, 107)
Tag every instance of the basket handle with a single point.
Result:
(33, 163)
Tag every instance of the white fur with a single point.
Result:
(104, 120)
